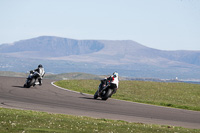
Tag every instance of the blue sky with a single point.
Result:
(160, 24)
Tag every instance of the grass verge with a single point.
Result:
(21, 121)
(177, 95)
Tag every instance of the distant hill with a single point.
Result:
(129, 58)
(12, 74)
(77, 75)
(46, 46)
(63, 76)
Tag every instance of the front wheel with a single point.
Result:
(96, 95)
(30, 82)
(107, 94)
(24, 85)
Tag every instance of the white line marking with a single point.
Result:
(52, 83)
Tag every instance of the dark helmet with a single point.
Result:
(115, 74)
(40, 66)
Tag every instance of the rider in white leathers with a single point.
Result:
(114, 80)
(39, 73)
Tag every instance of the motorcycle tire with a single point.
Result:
(96, 95)
(24, 85)
(107, 95)
(30, 83)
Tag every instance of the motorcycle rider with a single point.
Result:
(113, 79)
(39, 73)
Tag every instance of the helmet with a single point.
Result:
(39, 66)
(115, 74)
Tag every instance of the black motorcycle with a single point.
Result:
(105, 90)
(30, 81)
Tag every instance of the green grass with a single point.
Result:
(177, 95)
(19, 121)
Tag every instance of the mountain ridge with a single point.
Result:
(127, 56)
(49, 46)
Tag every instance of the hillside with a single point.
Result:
(63, 76)
(129, 58)
(12, 74)
(50, 47)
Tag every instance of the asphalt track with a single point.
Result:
(49, 98)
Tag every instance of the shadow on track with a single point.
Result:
(18, 86)
(24, 87)
(90, 98)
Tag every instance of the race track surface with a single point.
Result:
(54, 100)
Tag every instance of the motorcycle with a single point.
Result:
(105, 90)
(31, 80)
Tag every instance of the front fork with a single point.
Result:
(100, 90)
